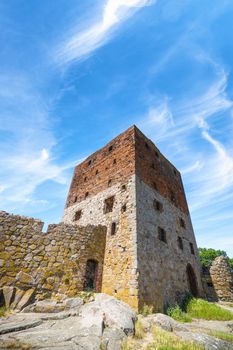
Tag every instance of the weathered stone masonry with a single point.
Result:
(218, 280)
(56, 260)
(151, 255)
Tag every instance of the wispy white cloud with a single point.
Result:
(158, 120)
(192, 168)
(192, 139)
(84, 42)
(26, 145)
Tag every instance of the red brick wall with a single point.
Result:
(157, 172)
(116, 164)
(131, 152)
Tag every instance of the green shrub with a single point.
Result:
(178, 315)
(146, 310)
(199, 308)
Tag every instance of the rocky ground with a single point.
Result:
(99, 324)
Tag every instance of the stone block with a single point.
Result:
(8, 293)
(23, 278)
(26, 299)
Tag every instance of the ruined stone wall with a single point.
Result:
(207, 283)
(162, 265)
(120, 262)
(56, 260)
(222, 279)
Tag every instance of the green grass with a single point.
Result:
(178, 315)
(222, 335)
(163, 340)
(139, 330)
(199, 308)
(2, 311)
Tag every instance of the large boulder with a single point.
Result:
(112, 339)
(165, 322)
(54, 306)
(116, 313)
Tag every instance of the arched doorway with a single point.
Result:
(192, 281)
(90, 277)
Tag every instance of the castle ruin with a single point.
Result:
(126, 231)
(151, 255)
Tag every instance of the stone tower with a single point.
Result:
(151, 254)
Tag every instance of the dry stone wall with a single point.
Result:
(53, 263)
(222, 279)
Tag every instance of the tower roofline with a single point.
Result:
(136, 130)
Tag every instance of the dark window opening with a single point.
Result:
(114, 161)
(182, 223)
(210, 284)
(75, 199)
(113, 229)
(110, 149)
(153, 166)
(90, 278)
(123, 188)
(146, 145)
(157, 205)
(191, 248)
(89, 162)
(123, 208)
(86, 194)
(180, 243)
(172, 197)
(175, 172)
(77, 215)
(109, 182)
(97, 172)
(156, 154)
(162, 234)
(108, 204)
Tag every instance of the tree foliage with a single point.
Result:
(207, 256)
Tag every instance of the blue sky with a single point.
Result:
(75, 74)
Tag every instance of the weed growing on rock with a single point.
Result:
(2, 311)
(221, 335)
(146, 310)
(167, 341)
(139, 330)
(178, 315)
